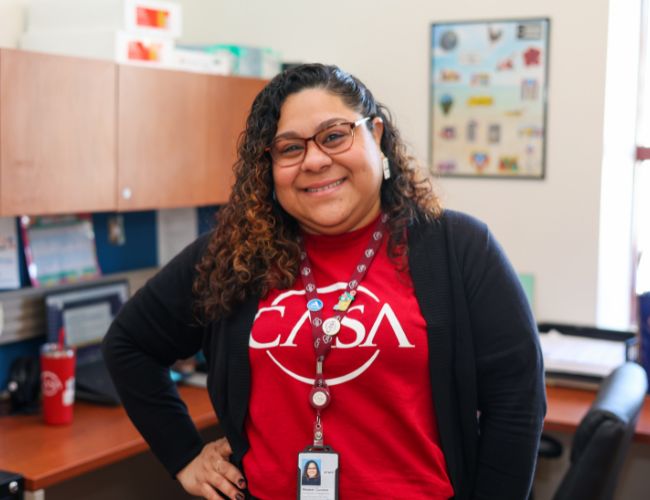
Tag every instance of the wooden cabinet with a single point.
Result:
(57, 134)
(86, 136)
(177, 133)
(230, 101)
(162, 138)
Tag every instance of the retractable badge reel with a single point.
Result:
(319, 397)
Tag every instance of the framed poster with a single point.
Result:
(488, 86)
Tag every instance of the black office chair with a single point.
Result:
(603, 437)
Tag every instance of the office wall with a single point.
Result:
(549, 228)
(12, 21)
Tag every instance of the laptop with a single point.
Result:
(85, 313)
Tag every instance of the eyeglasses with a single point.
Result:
(335, 139)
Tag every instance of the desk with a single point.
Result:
(567, 406)
(98, 436)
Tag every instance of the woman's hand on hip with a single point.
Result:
(211, 470)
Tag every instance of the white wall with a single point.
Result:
(12, 22)
(549, 228)
(616, 228)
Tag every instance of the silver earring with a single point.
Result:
(385, 166)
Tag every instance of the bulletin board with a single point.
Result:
(488, 90)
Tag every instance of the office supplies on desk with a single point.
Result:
(581, 356)
(24, 385)
(85, 313)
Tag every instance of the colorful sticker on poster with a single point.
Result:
(488, 84)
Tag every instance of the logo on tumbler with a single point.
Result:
(68, 394)
(50, 383)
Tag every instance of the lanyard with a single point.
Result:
(324, 331)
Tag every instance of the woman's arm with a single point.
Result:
(509, 368)
(154, 329)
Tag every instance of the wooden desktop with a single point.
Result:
(567, 406)
(102, 435)
(98, 436)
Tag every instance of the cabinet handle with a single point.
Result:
(126, 193)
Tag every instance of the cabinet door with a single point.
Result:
(57, 134)
(230, 102)
(162, 140)
(177, 132)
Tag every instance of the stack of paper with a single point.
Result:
(579, 355)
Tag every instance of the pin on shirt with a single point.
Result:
(331, 326)
(345, 299)
(315, 305)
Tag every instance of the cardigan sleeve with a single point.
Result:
(509, 371)
(152, 330)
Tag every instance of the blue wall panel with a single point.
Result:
(139, 249)
(206, 218)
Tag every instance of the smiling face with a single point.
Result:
(328, 194)
(312, 470)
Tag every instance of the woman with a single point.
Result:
(311, 474)
(337, 305)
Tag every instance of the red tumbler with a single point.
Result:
(57, 383)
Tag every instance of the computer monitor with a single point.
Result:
(85, 312)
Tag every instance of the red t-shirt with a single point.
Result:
(381, 418)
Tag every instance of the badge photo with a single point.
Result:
(318, 475)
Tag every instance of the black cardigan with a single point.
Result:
(484, 359)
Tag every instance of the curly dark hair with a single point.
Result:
(254, 247)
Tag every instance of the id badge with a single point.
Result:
(318, 474)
